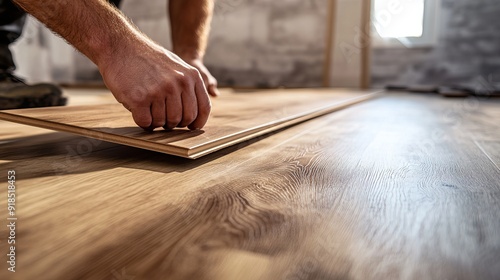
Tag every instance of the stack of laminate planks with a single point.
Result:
(236, 117)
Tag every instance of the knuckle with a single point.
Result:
(189, 119)
(195, 74)
(158, 123)
(168, 88)
(142, 122)
(155, 94)
(137, 98)
(184, 81)
(166, 85)
(174, 121)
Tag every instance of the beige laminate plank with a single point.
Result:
(235, 118)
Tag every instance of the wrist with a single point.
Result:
(119, 42)
(120, 47)
(189, 55)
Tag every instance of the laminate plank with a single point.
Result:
(387, 189)
(236, 118)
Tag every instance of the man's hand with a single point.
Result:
(159, 88)
(208, 79)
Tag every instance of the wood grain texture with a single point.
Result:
(235, 118)
(401, 187)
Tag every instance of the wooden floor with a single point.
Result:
(405, 186)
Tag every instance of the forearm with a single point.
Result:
(94, 27)
(190, 25)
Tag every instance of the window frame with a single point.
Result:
(429, 35)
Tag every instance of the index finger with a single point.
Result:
(142, 116)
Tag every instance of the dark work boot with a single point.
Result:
(16, 94)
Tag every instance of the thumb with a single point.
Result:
(213, 90)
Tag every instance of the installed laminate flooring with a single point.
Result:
(404, 186)
(236, 117)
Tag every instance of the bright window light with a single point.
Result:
(399, 18)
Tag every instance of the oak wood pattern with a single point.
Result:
(235, 118)
(401, 187)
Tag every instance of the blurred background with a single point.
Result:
(310, 43)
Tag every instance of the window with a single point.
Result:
(412, 23)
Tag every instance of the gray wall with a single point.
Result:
(253, 42)
(268, 43)
(262, 43)
(468, 50)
